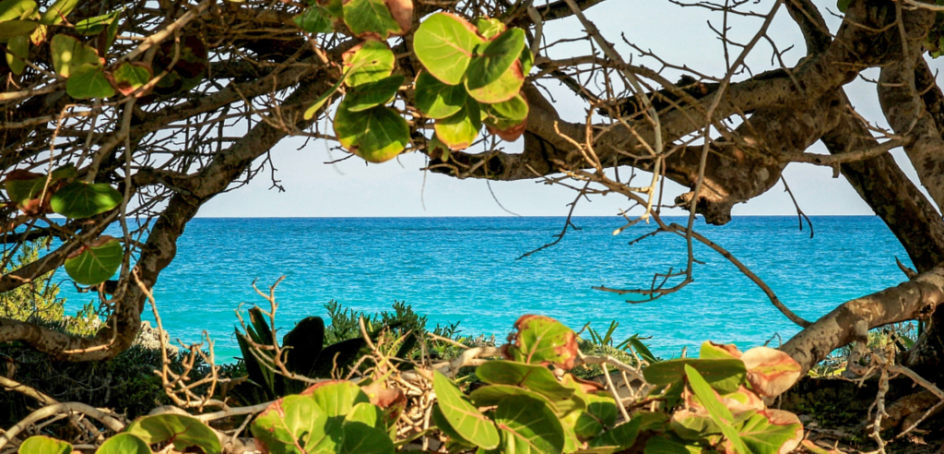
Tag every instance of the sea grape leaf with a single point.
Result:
(507, 119)
(97, 24)
(771, 432)
(542, 340)
(368, 62)
(769, 371)
(185, 432)
(488, 396)
(502, 89)
(336, 399)
(443, 425)
(494, 58)
(724, 375)
(89, 83)
(41, 444)
(17, 52)
(56, 13)
(23, 186)
(97, 263)
(13, 28)
(366, 413)
(445, 43)
(313, 109)
(465, 419)
(437, 100)
(16, 9)
(296, 425)
(79, 200)
(123, 443)
(719, 413)
(370, 18)
(489, 27)
(669, 444)
(303, 344)
(377, 134)
(460, 130)
(600, 414)
(372, 94)
(534, 377)
(130, 77)
(527, 61)
(70, 56)
(315, 19)
(528, 426)
(711, 350)
(622, 436)
(361, 438)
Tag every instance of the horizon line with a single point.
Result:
(528, 217)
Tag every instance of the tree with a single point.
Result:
(120, 112)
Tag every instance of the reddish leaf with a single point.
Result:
(542, 340)
(402, 12)
(770, 372)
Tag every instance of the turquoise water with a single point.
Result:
(465, 269)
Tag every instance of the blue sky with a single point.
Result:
(353, 189)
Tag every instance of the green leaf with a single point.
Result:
(366, 413)
(41, 444)
(70, 56)
(79, 200)
(843, 5)
(528, 427)
(185, 432)
(130, 77)
(112, 30)
(370, 18)
(669, 444)
(764, 434)
(58, 11)
(494, 58)
(21, 190)
(89, 83)
(336, 399)
(724, 375)
(17, 52)
(489, 27)
(445, 43)
(368, 62)
(14, 28)
(623, 436)
(503, 89)
(378, 134)
(719, 413)
(313, 109)
(303, 344)
(315, 20)
(360, 438)
(507, 119)
(462, 416)
(600, 414)
(96, 264)
(372, 94)
(527, 60)
(711, 350)
(489, 396)
(295, 425)
(124, 443)
(534, 377)
(543, 340)
(97, 24)
(443, 424)
(437, 100)
(16, 9)
(460, 130)
(641, 349)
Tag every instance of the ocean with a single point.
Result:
(468, 270)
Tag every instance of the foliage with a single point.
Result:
(36, 300)
(712, 404)
(185, 433)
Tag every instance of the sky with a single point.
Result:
(399, 188)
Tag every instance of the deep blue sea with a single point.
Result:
(467, 270)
